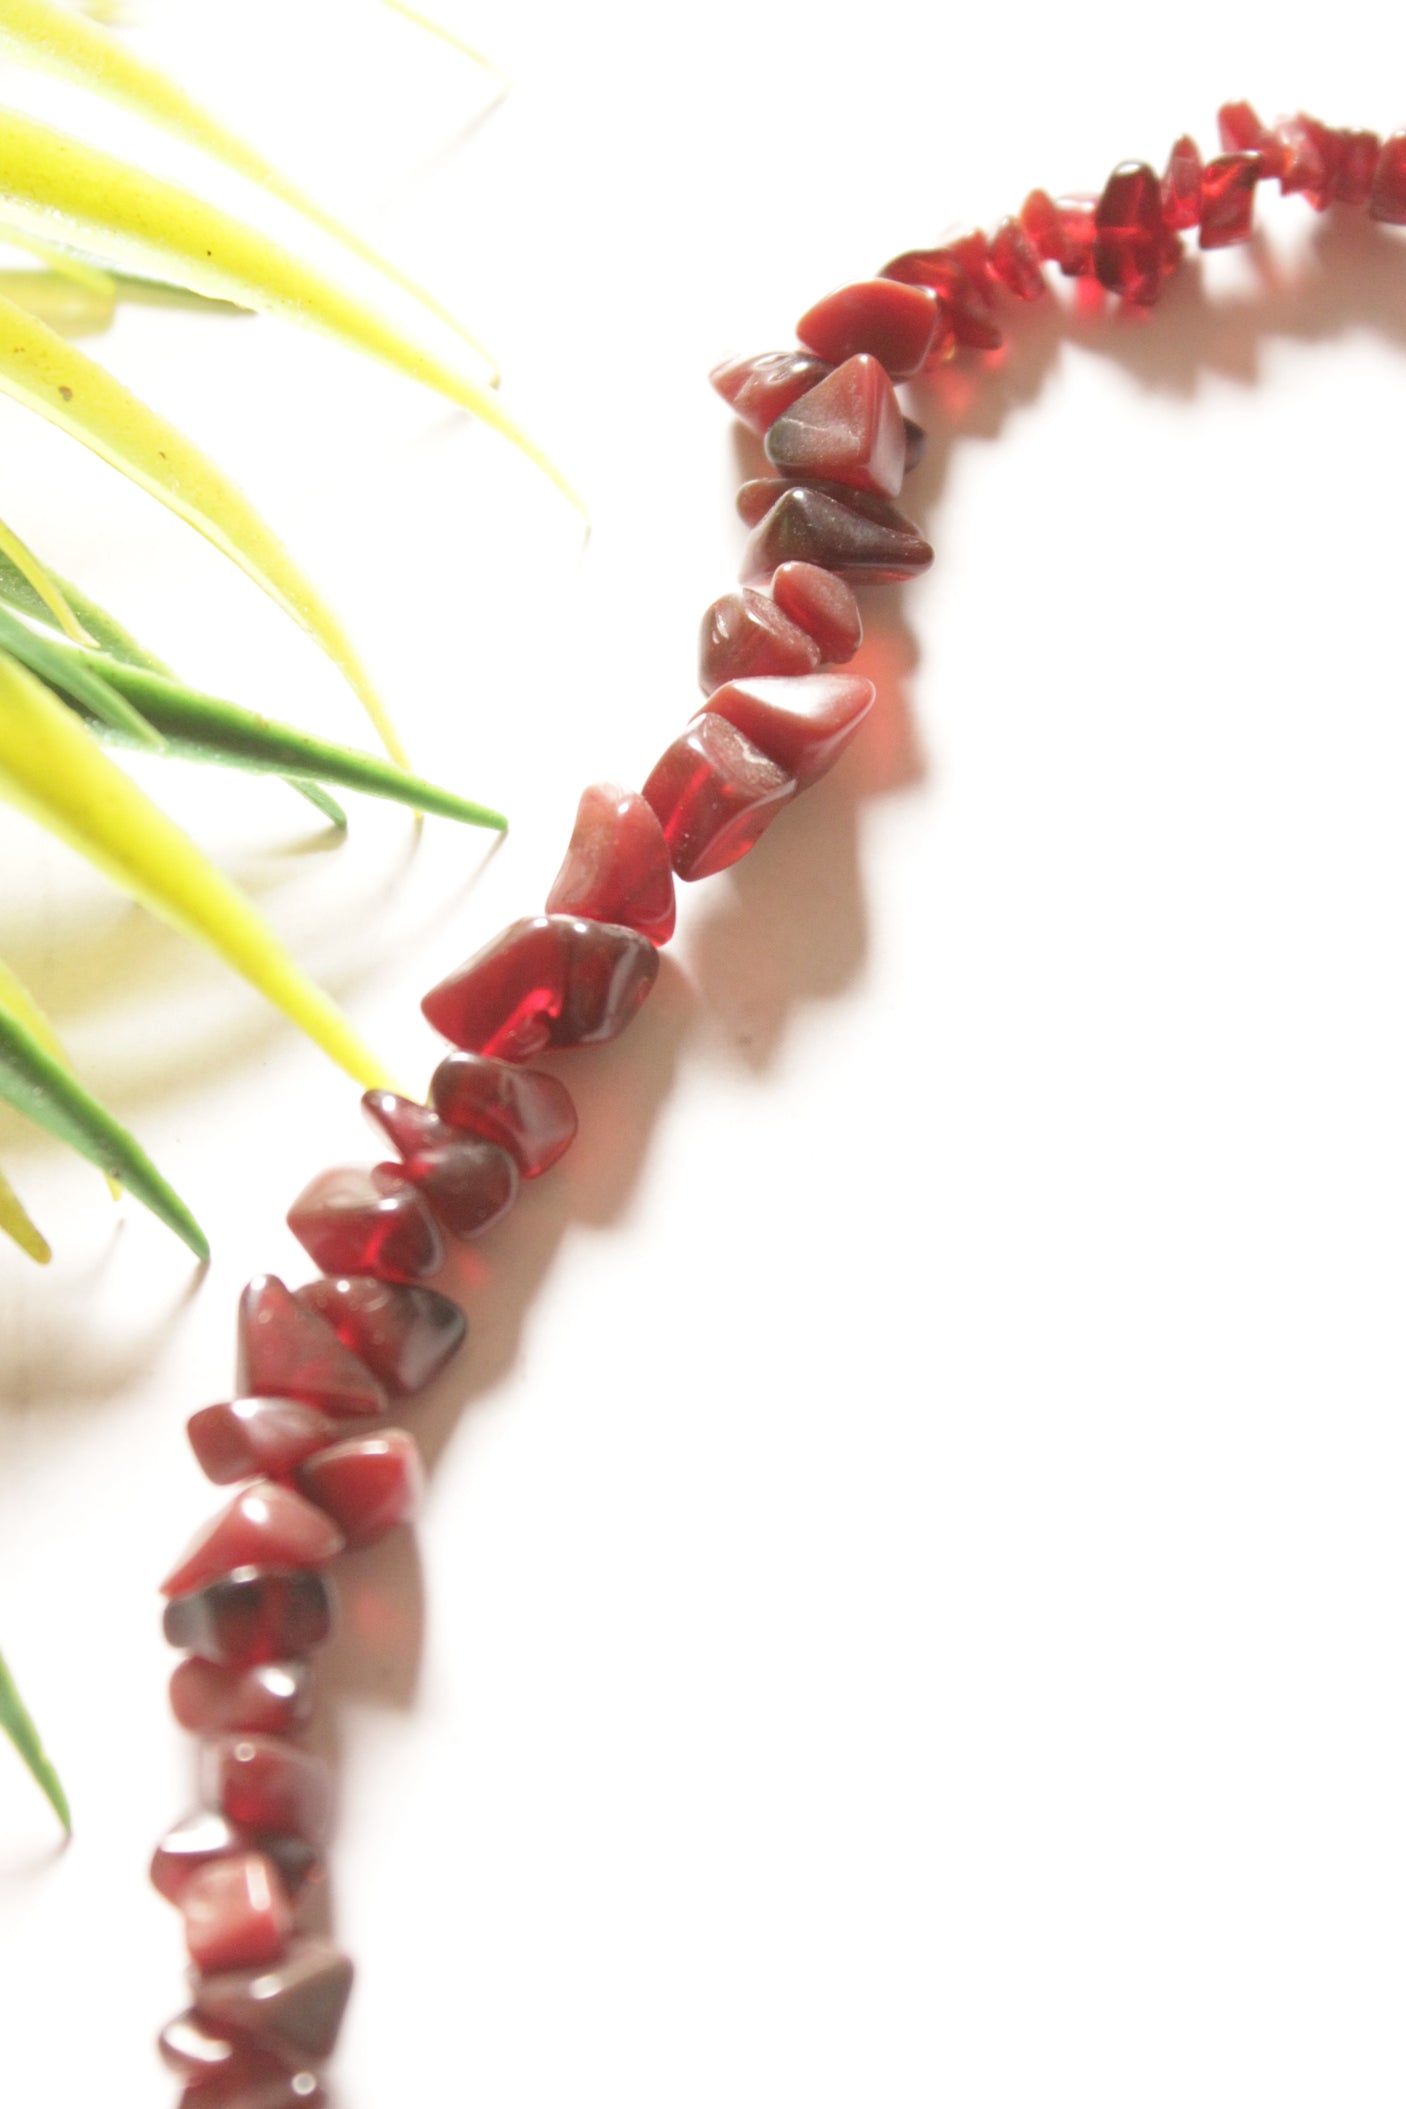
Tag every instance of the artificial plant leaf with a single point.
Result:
(73, 392)
(41, 34)
(80, 674)
(47, 1093)
(19, 1727)
(50, 181)
(51, 768)
(325, 803)
(19, 592)
(16, 999)
(45, 595)
(19, 1226)
(71, 310)
(437, 29)
(62, 262)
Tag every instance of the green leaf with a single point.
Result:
(16, 999)
(19, 1727)
(57, 663)
(51, 1096)
(325, 803)
(19, 1226)
(37, 586)
(18, 591)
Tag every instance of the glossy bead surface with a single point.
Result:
(254, 1615)
(469, 1183)
(893, 323)
(808, 526)
(269, 1698)
(273, 2088)
(264, 1784)
(405, 1335)
(715, 793)
(616, 867)
(1241, 132)
(198, 2050)
(351, 1221)
(530, 1114)
(1129, 234)
(252, 1438)
(368, 1484)
(1388, 195)
(748, 633)
(1228, 200)
(803, 724)
(545, 981)
(268, 1525)
(955, 273)
(1181, 185)
(761, 387)
(296, 2006)
(1076, 212)
(1357, 166)
(1015, 261)
(848, 429)
(1311, 154)
(822, 604)
(237, 1915)
(285, 1350)
(197, 1840)
(1039, 217)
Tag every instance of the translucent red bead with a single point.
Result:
(822, 604)
(1181, 185)
(802, 725)
(270, 1698)
(368, 1484)
(715, 793)
(761, 387)
(1130, 234)
(1388, 193)
(268, 1525)
(264, 1784)
(248, 1438)
(352, 1221)
(530, 1114)
(744, 633)
(208, 1836)
(296, 2007)
(1228, 200)
(546, 981)
(894, 323)
(1241, 132)
(1015, 261)
(254, 1615)
(287, 1351)
(866, 541)
(404, 1335)
(237, 1915)
(848, 429)
(956, 275)
(616, 868)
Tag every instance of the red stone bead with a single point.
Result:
(1357, 166)
(285, 1351)
(1311, 155)
(264, 1784)
(1076, 232)
(747, 633)
(1228, 200)
(268, 1525)
(808, 526)
(822, 604)
(199, 2051)
(405, 1335)
(206, 1836)
(1015, 261)
(893, 323)
(270, 1698)
(849, 430)
(760, 388)
(1039, 216)
(368, 1484)
(545, 981)
(1388, 200)
(295, 2007)
(277, 2088)
(802, 724)
(1129, 234)
(237, 1915)
(247, 1438)
(616, 868)
(357, 1222)
(530, 1114)
(1241, 132)
(715, 793)
(256, 1614)
(1181, 186)
(469, 1183)
(956, 274)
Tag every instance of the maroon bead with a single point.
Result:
(1129, 234)
(1311, 155)
(1228, 200)
(915, 444)
(469, 1183)
(270, 1698)
(297, 2006)
(201, 2052)
(248, 1438)
(236, 1912)
(545, 981)
(822, 604)
(405, 1335)
(275, 2088)
(1181, 186)
(197, 1840)
(803, 724)
(812, 527)
(351, 1221)
(715, 793)
(256, 1614)
(1388, 199)
(848, 429)
(530, 1114)
(893, 323)
(1076, 229)
(1015, 261)
(285, 1351)
(367, 1485)
(264, 1784)
(747, 633)
(956, 273)
(268, 1525)
(760, 388)
(616, 868)
(1039, 217)
(1357, 166)
(1241, 132)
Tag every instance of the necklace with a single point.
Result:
(250, 1600)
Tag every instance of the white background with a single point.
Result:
(910, 1605)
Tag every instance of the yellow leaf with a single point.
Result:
(16, 1223)
(44, 584)
(51, 769)
(41, 34)
(53, 184)
(72, 310)
(437, 29)
(73, 392)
